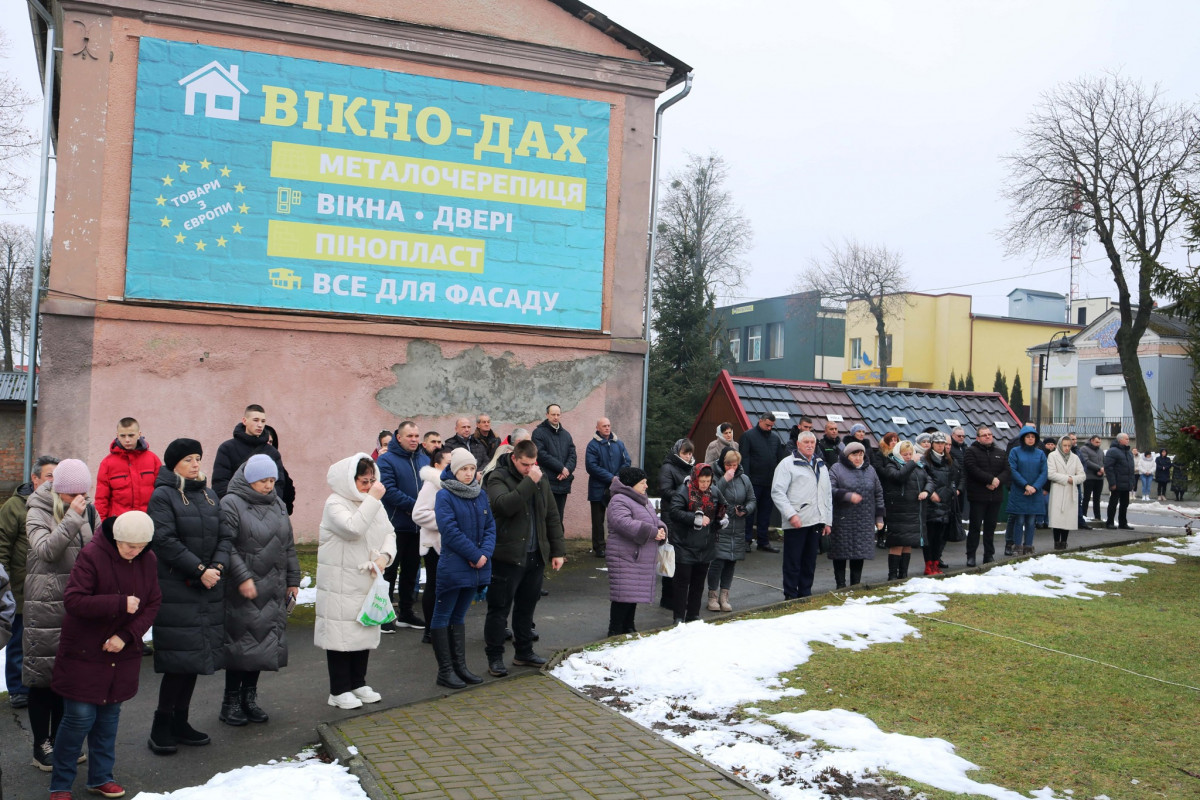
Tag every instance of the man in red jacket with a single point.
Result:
(126, 476)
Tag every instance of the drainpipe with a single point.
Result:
(40, 231)
(687, 87)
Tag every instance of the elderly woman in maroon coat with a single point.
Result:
(110, 602)
(632, 527)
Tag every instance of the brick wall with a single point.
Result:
(12, 447)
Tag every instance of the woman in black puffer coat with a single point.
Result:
(675, 471)
(193, 552)
(939, 508)
(905, 487)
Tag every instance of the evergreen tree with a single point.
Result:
(952, 385)
(970, 381)
(1000, 385)
(962, 385)
(1017, 401)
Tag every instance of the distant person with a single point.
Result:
(603, 459)
(400, 473)
(761, 451)
(674, 472)
(14, 553)
(1121, 472)
(1146, 467)
(1065, 472)
(1179, 481)
(906, 485)
(717, 446)
(249, 437)
(986, 468)
(1162, 473)
(1027, 470)
(1092, 456)
(804, 496)
(556, 456)
(125, 479)
(829, 446)
(734, 486)
(946, 476)
(857, 513)
(381, 443)
(635, 533)
(484, 441)
(462, 435)
(263, 576)
(357, 542)
(110, 601)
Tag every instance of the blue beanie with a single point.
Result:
(260, 467)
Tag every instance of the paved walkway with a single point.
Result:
(527, 736)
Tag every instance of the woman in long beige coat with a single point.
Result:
(355, 538)
(1066, 475)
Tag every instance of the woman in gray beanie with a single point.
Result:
(263, 576)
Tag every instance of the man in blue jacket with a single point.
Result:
(400, 473)
(604, 458)
(556, 456)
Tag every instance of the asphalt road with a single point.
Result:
(403, 671)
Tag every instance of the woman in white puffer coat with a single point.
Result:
(355, 533)
(429, 546)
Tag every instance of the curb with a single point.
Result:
(358, 766)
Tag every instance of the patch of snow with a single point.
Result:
(306, 778)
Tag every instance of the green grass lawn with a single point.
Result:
(1029, 717)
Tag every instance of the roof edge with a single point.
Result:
(620, 33)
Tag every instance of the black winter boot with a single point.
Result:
(904, 559)
(250, 706)
(856, 565)
(458, 654)
(441, 651)
(893, 567)
(231, 712)
(839, 572)
(184, 733)
(161, 740)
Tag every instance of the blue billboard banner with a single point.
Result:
(272, 182)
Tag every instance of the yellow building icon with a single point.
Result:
(283, 278)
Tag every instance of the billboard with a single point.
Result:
(272, 182)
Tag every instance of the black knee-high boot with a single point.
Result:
(839, 572)
(904, 559)
(893, 566)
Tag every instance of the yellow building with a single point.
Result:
(932, 334)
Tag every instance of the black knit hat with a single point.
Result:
(631, 476)
(180, 449)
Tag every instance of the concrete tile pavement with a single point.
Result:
(521, 737)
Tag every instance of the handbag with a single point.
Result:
(664, 562)
(377, 608)
(954, 531)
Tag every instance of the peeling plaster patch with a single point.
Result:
(431, 385)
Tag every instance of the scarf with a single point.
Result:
(703, 502)
(467, 491)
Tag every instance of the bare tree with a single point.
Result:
(17, 141)
(699, 224)
(17, 256)
(1119, 156)
(871, 274)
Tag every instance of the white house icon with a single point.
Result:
(221, 89)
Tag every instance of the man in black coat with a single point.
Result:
(958, 452)
(1122, 477)
(829, 446)
(761, 452)
(556, 455)
(986, 467)
(250, 437)
(529, 534)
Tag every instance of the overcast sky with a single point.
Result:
(884, 121)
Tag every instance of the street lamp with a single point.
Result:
(1063, 350)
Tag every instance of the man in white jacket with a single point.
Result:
(802, 493)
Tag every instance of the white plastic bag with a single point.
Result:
(377, 608)
(664, 563)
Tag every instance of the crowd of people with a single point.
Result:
(209, 560)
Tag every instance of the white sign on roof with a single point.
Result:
(899, 420)
(953, 423)
(781, 415)
(1001, 424)
(834, 417)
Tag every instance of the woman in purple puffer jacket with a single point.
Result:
(634, 533)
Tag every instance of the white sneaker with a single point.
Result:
(345, 700)
(367, 694)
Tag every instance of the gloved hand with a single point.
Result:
(481, 595)
(724, 523)
(699, 523)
